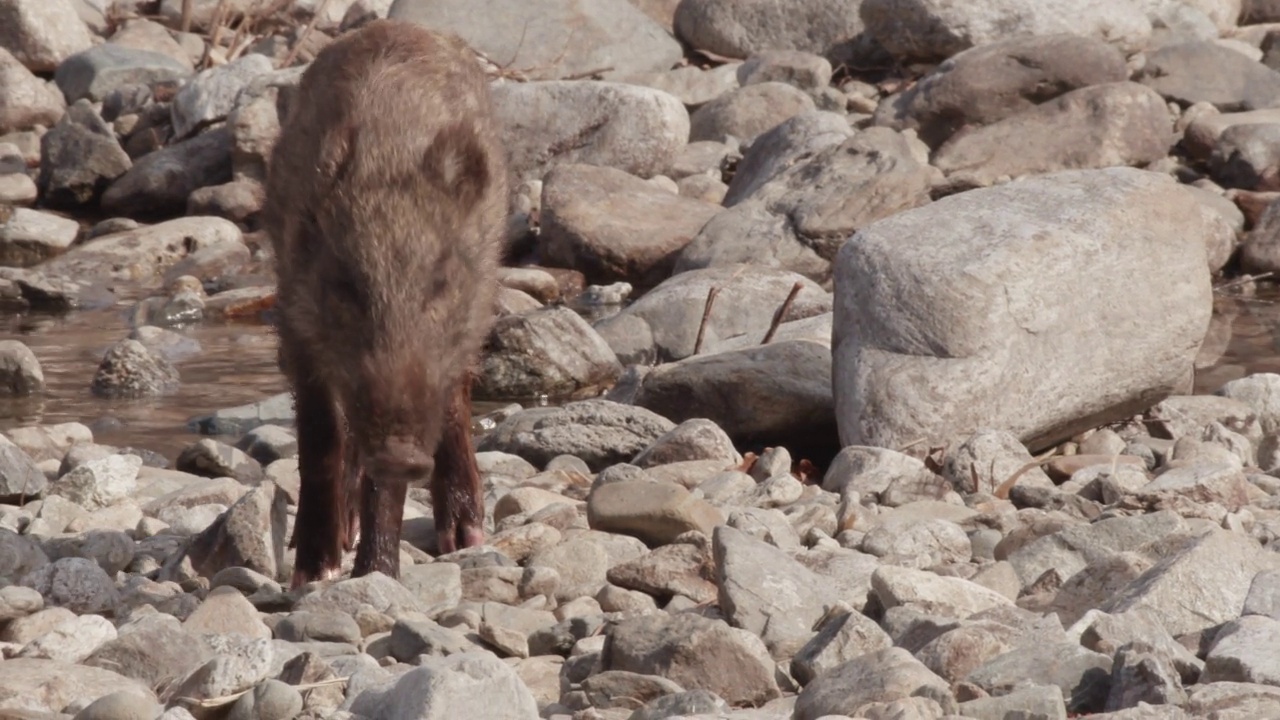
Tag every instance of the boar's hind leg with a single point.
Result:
(381, 513)
(457, 494)
(320, 529)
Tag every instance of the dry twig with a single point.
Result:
(706, 314)
(782, 311)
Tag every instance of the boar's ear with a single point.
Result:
(456, 162)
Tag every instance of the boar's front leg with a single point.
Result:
(457, 494)
(319, 532)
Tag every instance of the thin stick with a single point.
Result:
(228, 699)
(782, 311)
(219, 15)
(706, 313)
(1002, 491)
(305, 35)
(1244, 280)
(588, 73)
(186, 15)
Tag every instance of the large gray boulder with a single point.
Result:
(551, 39)
(938, 29)
(1044, 306)
(986, 84)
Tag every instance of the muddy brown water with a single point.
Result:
(237, 365)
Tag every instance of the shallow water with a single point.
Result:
(238, 366)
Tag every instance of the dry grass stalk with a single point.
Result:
(211, 703)
(1002, 491)
(706, 315)
(782, 311)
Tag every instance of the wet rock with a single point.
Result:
(42, 35)
(663, 325)
(589, 220)
(145, 253)
(936, 30)
(50, 686)
(1101, 126)
(100, 483)
(986, 84)
(80, 157)
(74, 583)
(1112, 194)
(463, 685)
(654, 512)
(30, 236)
(696, 653)
(553, 39)
(160, 182)
(250, 534)
(634, 129)
(550, 351)
(130, 370)
(269, 443)
(274, 410)
(95, 72)
(600, 432)
(20, 372)
(1193, 72)
(881, 676)
(799, 220)
(776, 394)
(210, 458)
(27, 101)
(20, 476)
(1261, 393)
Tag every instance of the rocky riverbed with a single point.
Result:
(872, 359)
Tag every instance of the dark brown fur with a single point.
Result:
(386, 204)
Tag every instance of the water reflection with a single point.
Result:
(238, 366)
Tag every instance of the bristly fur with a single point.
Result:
(386, 205)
